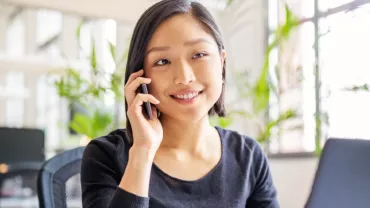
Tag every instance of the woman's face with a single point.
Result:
(185, 66)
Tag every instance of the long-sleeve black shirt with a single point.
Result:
(241, 179)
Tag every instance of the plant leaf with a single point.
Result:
(82, 124)
(223, 122)
(100, 123)
(286, 115)
(112, 51)
(93, 61)
(356, 88)
(116, 83)
(78, 30)
(261, 91)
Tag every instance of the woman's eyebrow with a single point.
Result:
(195, 41)
(187, 43)
(158, 49)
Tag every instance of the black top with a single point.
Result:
(241, 179)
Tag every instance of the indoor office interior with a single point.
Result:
(298, 77)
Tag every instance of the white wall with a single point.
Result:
(293, 179)
(244, 30)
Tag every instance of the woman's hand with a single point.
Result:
(147, 136)
(146, 133)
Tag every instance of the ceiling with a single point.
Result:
(126, 11)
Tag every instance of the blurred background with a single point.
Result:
(298, 73)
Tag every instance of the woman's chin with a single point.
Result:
(188, 115)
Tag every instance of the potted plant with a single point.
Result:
(88, 91)
(260, 91)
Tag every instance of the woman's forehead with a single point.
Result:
(179, 29)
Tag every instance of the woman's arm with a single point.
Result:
(264, 193)
(104, 186)
(101, 183)
(137, 175)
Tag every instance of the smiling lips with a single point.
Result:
(186, 96)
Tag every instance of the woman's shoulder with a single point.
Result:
(113, 147)
(247, 151)
(234, 139)
(110, 141)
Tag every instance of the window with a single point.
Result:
(15, 37)
(49, 28)
(343, 43)
(14, 89)
(329, 4)
(345, 63)
(102, 32)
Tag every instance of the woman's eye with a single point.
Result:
(199, 55)
(162, 62)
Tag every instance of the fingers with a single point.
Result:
(154, 111)
(135, 109)
(131, 89)
(133, 76)
(141, 98)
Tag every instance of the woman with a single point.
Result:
(177, 159)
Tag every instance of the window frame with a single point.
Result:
(315, 19)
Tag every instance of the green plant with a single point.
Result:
(89, 90)
(359, 88)
(91, 126)
(263, 90)
(258, 93)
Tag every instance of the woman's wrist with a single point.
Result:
(137, 174)
(142, 154)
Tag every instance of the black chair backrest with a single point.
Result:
(58, 183)
(343, 176)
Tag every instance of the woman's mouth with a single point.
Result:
(186, 98)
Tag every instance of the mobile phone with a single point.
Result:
(147, 106)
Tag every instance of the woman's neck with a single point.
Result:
(187, 136)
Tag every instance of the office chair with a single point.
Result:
(58, 183)
(342, 179)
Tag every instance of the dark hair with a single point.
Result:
(147, 25)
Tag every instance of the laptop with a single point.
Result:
(20, 145)
(342, 179)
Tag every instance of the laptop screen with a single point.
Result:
(18, 145)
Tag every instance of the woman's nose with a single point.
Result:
(183, 73)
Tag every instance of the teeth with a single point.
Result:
(187, 96)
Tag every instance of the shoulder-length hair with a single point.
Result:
(147, 25)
